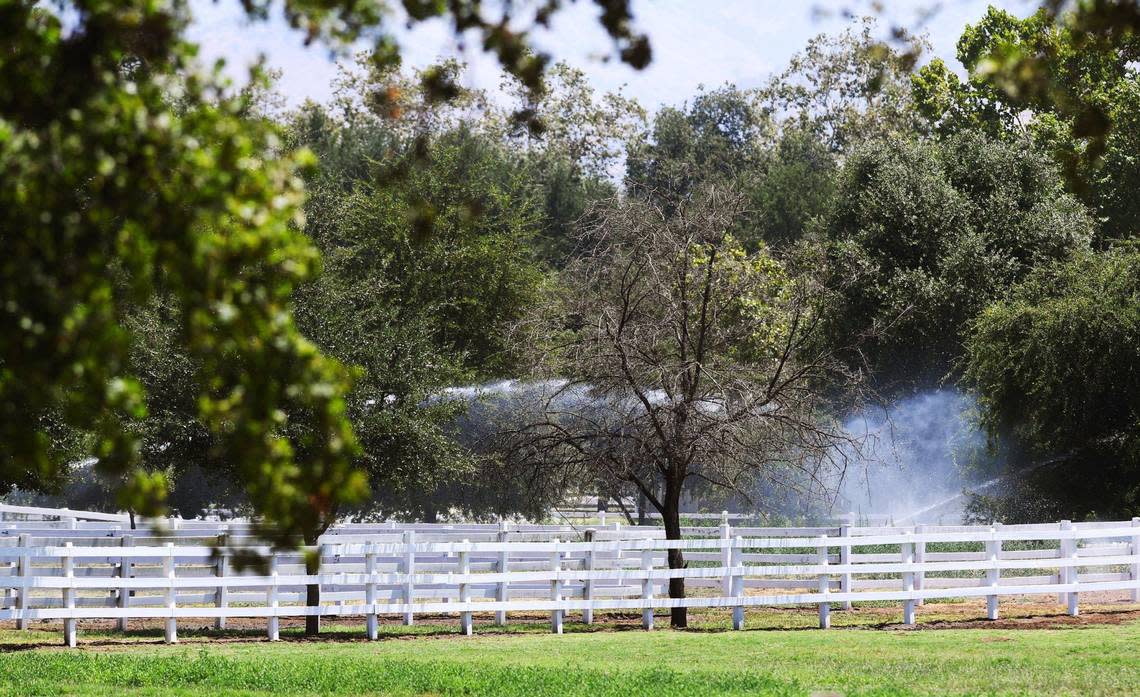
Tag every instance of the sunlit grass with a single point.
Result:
(775, 655)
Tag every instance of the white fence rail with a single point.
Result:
(56, 526)
(37, 520)
(64, 515)
(412, 574)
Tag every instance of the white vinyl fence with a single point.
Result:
(501, 570)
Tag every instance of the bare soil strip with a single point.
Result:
(1018, 613)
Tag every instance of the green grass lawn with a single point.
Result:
(1093, 659)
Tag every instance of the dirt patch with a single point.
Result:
(1018, 613)
(333, 629)
(1047, 619)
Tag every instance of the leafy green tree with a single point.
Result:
(846, 88)
(574, 156)
(124, 172)
(716, 138)
(173, 438)
(104, 173)
(724, 138)
(1116, 178)
(567, 195)
(1055, 367)
(950, 105)
(577, 124)
(418, 313)
(923, 236)
(570, 142)
(1056, 82)
(794, 186)
(780, 144)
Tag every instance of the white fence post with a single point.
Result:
(993, 554)
(274, 624)
(371, 623)
(725, 554)
(124, 571)
(323, 551)
(919, 558)
(221, 595)
(1062, 572)
(556, 589)
(588, 583)
(409, 569)
(845, 560)
(1072, 577)
(908, 582)
(12, 568)
(464, 564)
(824, 586)
(647, 585)
(25, 571)
(171, 633)
(1136, 562)
(69, 596)
(502, 591)
(737, 582)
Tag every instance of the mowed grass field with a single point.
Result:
(1035, 651)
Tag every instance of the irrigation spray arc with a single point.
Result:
(916, 457)
(912, 464)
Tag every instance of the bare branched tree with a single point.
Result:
(670, 355)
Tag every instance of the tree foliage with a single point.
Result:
(670, 355)
(575, 156)
(1052, 81)
(128, 175)
(716, 138)
(923, 236)
(105, 172)
(846, 89)
(1056, 368)
(418, 313)
(781, 144)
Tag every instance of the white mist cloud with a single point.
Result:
(916, 456)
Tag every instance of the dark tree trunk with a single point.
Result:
(312, 591)
(624, 510)
(679, 616)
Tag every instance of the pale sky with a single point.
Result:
(695, 42)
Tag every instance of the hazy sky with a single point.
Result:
(695, 42)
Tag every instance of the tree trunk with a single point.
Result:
(312, 591)
(679, 617)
